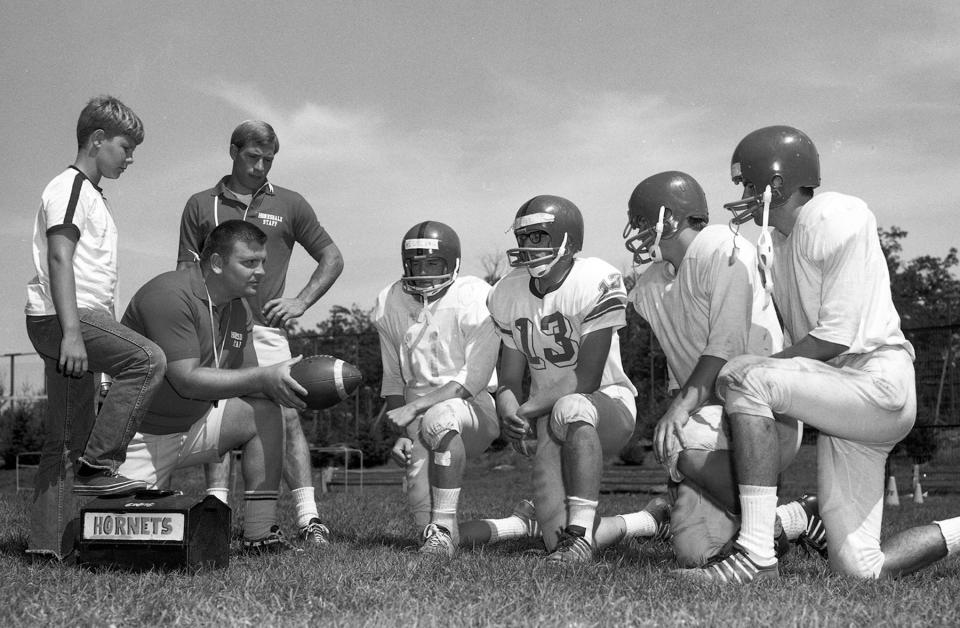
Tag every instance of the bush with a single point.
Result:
(921, 444)
(375, 441)
(21, 429)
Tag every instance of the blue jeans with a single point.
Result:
(72, 427)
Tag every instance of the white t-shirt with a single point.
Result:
(548, 328)
(714, 304)
(831, 279)
(71, 201)
(449, 340)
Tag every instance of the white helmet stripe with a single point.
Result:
(532, 219)
(432, 244)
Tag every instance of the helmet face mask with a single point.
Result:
(661, 206)
(431, 259)
(645, 244)
(539, 258)
(549, 229)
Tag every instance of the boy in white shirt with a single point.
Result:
(71, 321)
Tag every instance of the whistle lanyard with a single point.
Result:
(213, 329)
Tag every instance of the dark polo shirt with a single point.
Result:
(172, 310)
(282, 214)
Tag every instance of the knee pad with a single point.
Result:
(734, 373)
(571, 409)
(440, 420)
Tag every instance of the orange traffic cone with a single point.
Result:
(892, 497)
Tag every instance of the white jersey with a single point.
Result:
(72, 202)
(548, 328)
(714, 304)
(449, 340)
(831, 279)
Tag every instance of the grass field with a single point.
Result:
(371, 576)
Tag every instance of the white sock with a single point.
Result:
(758, 510)
(512, 527)
(793, 519)
(582, 512)
(444, 511)
(220, 493)
(950, 529)
(639, 523)
(306, 505)
(259, 513)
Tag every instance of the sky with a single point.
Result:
(393, 113)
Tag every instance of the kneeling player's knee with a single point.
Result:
(736, 373)
(439, 422)
(860, 560)
(570, 409)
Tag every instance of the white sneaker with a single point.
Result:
(437, 542)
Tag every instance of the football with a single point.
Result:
(328, 380)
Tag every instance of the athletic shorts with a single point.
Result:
(153, 458)
(270, 344)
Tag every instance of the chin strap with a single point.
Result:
(765, 248)
(734, 227)
(654, 250)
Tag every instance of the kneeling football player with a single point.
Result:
(557, 316)
(704, 299)
(439, 351)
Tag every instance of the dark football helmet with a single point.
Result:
(555, 216)
(779, 156)
(658, 207)
(430, 240)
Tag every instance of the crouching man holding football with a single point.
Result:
(208, 403)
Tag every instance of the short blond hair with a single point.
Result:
(110, 115)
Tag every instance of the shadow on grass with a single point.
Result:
(15, 546)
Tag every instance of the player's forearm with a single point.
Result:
(393, 401)
(813, 348)
(450, 390)
(212, 383)
(63, 293)
(542, 403)
(698, 389)
(328, 270)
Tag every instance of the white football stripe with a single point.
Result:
(338, 379)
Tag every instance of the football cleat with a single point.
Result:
(814, 538)
(274, 543)
(314, 533)
(659, 509)
(526, 512)
(437, 542)
(572, 548)
(732, 568)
